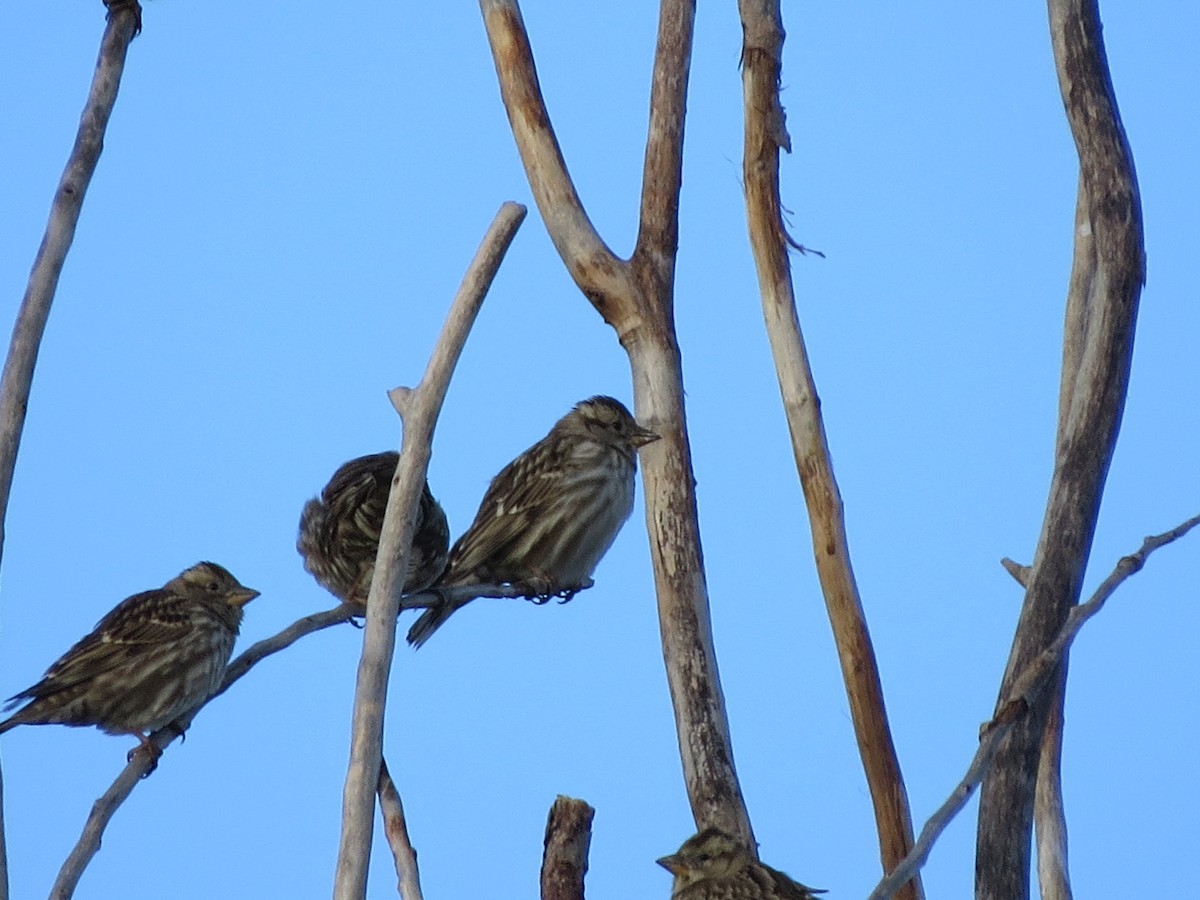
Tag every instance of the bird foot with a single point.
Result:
(145, 748)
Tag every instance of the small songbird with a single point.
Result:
(713, 865)
(156, 656)
(552, 513)
(339, 531)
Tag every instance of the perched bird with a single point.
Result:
(339, 531)
(713, 865)
(156, 656)
(552, 513)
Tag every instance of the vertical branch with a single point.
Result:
(1049, 814)
(565, 856)
(419, 409)
(1105, 286)
(17, 379)
(765, 133)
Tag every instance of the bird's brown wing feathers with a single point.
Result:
(523, 491)
(150, 617)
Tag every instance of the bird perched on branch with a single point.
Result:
(157, 655)
(339, 531)
(713, 865)
(552, 513)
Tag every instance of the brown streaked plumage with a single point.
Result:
(339, 531)
(154, 657)
(551, 514)
(713, 865)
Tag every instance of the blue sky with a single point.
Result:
(286, 202)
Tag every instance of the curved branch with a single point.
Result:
(419, 410)
(596, 269)
(1105, 286)
(1028, 686)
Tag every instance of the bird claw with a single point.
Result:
(152, 751)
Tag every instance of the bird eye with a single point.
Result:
(213, 586)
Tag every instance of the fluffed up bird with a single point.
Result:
(339, 531)
(552, 513)
(713, 865)
(156, 656)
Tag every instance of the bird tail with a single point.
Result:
(430, 621)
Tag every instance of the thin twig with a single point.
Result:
(140, 764)
(419, 409)
(565, 857)
(395, 829)
(17, 379)
(1026, 688)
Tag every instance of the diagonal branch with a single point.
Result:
(419, 409)
(586, 255)
(636, 300)
(17, 379)
(1028, 686)
(765, 134)
(1105, 286)
(395, 829)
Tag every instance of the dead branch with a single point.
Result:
(17, 379)
(395, 829)
(565, 857)
(636, 299)
(1106, 282)
(1014, 708)
(765, 134)
(419, 409)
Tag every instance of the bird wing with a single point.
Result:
(522, 491)
(151, 617)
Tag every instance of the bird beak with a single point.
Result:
(672, 864)
(242, 597)
(643, 436)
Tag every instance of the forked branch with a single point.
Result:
(419, 409)
(1028, 686)
(636, 299)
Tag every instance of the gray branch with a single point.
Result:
(17, 379)
(418, 408)
(1105, 286)
(1029, 684)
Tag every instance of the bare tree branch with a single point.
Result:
(17, 379)
(1106, 281)
(565, 857)
(635, 298)
(1014, 707)
(765, 134)
(1049, 812)
(419, 409)
(395, 829)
